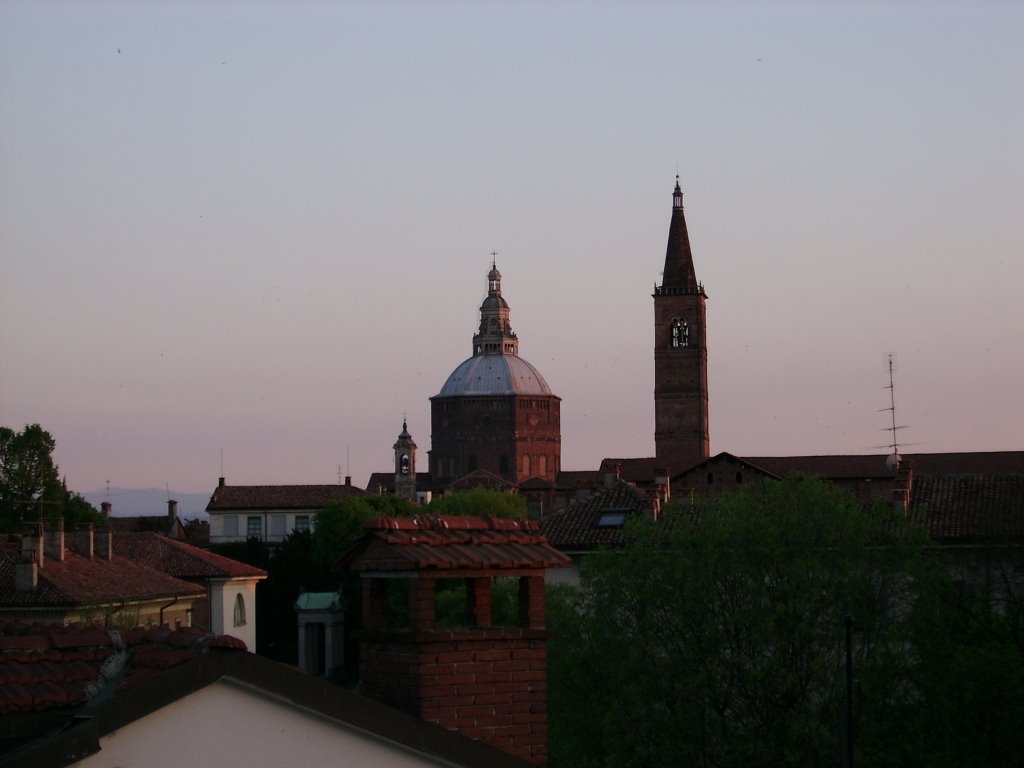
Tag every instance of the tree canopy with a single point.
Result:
(30, 485)
(717, 637)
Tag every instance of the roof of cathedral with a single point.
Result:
(495, 375)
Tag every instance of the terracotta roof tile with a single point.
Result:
(576, 526)
(178, 559)
(970, 508)
(52, 667)
(266, 497)
(443, 542)
(78, 580)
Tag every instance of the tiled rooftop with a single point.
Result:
(446, 543)
(577, 526)
(178, 558)
(79, 580)
(970, 508)
(50, 666)
(267, 497)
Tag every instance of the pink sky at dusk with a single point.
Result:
(262, 231)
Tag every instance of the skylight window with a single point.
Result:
(611, 518)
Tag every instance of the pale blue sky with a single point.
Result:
(265, 227)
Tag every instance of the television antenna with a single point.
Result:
(894, 459)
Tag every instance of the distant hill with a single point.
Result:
(128, 502)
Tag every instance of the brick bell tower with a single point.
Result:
(477, 675)
(681, 434)
(405, 464)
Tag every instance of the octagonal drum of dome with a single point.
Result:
(495, 375)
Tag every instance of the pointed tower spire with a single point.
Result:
(681, 435)
(679, 275)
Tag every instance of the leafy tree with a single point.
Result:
(340, 523)
(30, 488)
(480, 502)
(716, 638)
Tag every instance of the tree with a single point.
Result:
(30, 488)
(340, 523)
(716, 637)
(479, 502)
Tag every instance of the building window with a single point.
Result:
(239, 610)
(680, 333)
(526, 466)
(277, 525)
(472, 463)
(254, 528)
(231, 525)
(503, 465)
(611, 518)
(542, 466)
(302, 523)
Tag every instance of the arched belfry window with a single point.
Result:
(239, 610)
(680, 333)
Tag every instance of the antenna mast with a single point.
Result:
(894, 443)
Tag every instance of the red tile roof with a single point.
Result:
(79, 580)
(576, 526)
(875, 466)
(267, 497)
(970, 508)
(179, 559)
(446, 543)
(51, 666)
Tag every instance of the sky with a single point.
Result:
(247, 239)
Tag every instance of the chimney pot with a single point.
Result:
(220, 482)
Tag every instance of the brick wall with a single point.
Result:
(488, 684)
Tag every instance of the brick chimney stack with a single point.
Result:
(55, 540)
(488, 682)
(105, 509)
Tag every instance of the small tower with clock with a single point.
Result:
(405, 464)
(681, 434)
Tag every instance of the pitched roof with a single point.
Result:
(175, 667)
(386, 480)
(52, 667)
(577, 478)
(875, 466)
(633, 470)
(447, 543)
(179, 559)
(265, 497)
(970, 508)
(78, 580)
(578, 525)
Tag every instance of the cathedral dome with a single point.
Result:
(495, 374)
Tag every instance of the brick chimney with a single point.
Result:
(84, 537)
(105, 509)
(26, 570)
(104, 544)
(488, 682)
(55, 540)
